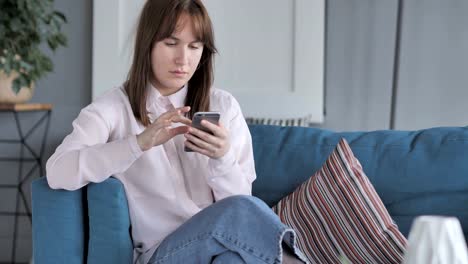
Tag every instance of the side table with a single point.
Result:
(16, 110)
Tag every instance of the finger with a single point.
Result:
(198, 149)
(177, 116)
(178, 130)
(199, 142)
(218, 130)
(167, 119)
(158, 124)
(203, 135)
(182, 119)
(172, 114)
(176, 111)
(184, 109)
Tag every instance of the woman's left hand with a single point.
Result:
(214, 146)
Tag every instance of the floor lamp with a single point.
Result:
(396, 64)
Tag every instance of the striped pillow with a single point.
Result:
(337, 214)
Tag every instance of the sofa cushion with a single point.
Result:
(338, 213)
(414, 172)
(58, 225)
(109, 224)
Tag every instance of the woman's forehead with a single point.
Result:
(186, 29)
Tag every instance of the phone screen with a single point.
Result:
(212, 117)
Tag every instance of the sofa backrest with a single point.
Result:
(415, 173)
(59, 226)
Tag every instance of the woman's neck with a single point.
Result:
(164, 91)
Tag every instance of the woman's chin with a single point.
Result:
(171, 87)
(176, 84)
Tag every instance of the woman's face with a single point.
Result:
(175, 59)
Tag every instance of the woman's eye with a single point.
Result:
(194, 47)
(170, 44)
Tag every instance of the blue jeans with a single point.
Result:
(237, 229)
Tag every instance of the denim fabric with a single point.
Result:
(237, 229)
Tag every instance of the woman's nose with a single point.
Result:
(182, 56)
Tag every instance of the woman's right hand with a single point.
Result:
(159, 132)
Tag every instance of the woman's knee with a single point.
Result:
(243, 202)
(239, 210)
(227, 258)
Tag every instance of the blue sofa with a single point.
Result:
(414, 172)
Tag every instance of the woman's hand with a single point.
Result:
(214, 146)
(159, 132)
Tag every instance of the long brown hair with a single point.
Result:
(158, 21)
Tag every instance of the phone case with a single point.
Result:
(212, 117)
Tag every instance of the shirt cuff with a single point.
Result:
(223, 165)
(134, 147)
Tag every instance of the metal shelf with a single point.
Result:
(32, 157)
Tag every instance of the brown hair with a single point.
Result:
(158, 21)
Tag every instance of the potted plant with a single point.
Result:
(24, 26)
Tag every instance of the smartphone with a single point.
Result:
(212, 117)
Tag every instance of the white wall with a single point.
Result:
(433, 85)
(271, 55)
(271, 52)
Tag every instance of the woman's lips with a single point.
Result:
(178, 73)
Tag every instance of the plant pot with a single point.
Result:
(7, 95)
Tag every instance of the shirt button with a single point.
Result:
(169, 107)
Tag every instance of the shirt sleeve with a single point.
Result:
(86, 156)
(234, 173)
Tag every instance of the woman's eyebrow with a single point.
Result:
(177, 39)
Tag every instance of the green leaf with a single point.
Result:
(61, 16)
(21, 4)
(15, 65)
(55, 26)
(25, 25)
(26, 66)
(52, 43)
(16, 86)
(62, 39)
(7, 67)
(48, 65)
(15, 24)
(24, 81)
(2, 31)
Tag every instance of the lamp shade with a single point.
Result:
(436, 240)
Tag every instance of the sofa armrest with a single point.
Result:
(58, 227)
(109, 224)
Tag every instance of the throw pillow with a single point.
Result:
(338, 215)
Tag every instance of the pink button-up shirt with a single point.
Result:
(165, 185)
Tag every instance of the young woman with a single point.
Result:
(185, 207)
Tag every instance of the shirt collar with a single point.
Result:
(177, 99)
